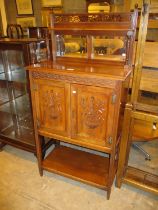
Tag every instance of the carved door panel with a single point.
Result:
(52, 102)
(92, 114)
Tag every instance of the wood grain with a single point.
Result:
(79, 165)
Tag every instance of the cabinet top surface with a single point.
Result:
(18, 41)
(109, 70)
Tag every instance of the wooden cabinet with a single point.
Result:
(78, 99)
(16, 124)
(81, 109)
(84, 113)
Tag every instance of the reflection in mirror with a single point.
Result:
(110, 48)
(148, 90)
(144, 146)
(73, 46)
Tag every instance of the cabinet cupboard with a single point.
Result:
(81, 109)
(79, 100)
(82, 112)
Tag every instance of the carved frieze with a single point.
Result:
(100, 17)
(103, 82)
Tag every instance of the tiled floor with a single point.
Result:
(21, 188)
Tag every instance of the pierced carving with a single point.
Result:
(52, 104)
(98, 17)
(93, 111)
(103, 82)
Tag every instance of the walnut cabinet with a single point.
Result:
(81, 109)
(78, 98)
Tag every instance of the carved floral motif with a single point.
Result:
(93, 111)
(52, 104)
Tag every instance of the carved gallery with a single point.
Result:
(78, 104)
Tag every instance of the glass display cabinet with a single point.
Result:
(138, 164)
(16, 124)
(78, 97)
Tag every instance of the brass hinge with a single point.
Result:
(110, 140)
(38, 123)
(114, 97)
(34, 87)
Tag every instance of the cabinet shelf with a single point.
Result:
(79, 165)
(17, 75)
(141, 179)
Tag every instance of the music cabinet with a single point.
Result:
(79, 96)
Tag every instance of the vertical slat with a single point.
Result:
(53, 37)
(37, 137)
(124, 144)
(89, 46)
(140, 52)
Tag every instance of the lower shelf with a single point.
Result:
(79, 165)
(141, 179)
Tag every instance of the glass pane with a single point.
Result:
(144, 147)
(18, 119)
(3, 84)
(15, 110)
(148, 90)
(71, 46)
(41, 51)
(109, 48)
(14, 73)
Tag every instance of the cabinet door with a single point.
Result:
(52, 102)
(92, 114)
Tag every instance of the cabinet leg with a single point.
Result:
(108, 193)
(43, 147)
(57, 143)
(2, 145)
(41, 171)
(118, 183)
(124, 145)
